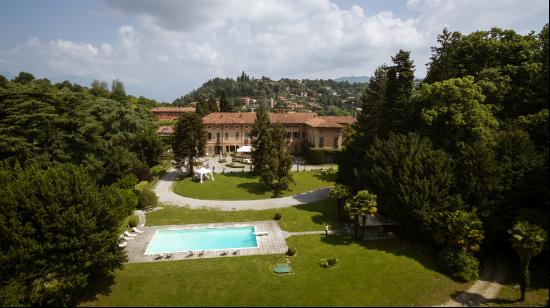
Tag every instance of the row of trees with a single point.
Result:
(70, 159)
(462, 158)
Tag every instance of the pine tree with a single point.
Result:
(399, 86)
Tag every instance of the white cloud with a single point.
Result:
(173, 46)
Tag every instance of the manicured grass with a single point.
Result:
(245, 186)
(509, 297)
(304, 217)
(373, 273)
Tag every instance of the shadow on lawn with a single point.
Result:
(327, 212)
(97, 286)
(395, 246)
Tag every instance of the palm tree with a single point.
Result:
(528, 241)
(364, 203)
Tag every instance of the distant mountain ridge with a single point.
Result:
(354, 79)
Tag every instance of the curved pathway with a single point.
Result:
(167, 195)
(483, 290)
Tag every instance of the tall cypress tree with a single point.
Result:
(276, 174)
(399, 86)
(259, 137)
(225, 106)
(189, 140)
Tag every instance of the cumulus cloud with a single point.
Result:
(173, 46)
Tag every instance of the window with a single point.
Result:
(296, 135)
(209, 149)
(246, 134)
(217, 126)
(303, 135)
(237, 126)
(209, 136)
(237, 135)
(226, 135)
(246, 126)
(226, 126)
(218, 137)
(288, 135)
(209, 126)
(321, 142)
(335, 144)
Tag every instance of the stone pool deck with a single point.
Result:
(272, 243)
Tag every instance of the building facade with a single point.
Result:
(227, 131)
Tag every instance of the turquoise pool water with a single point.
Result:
(167, 241)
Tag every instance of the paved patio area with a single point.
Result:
(272, 243)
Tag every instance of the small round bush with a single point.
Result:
(291, 251)
(328, 262)
(458, 264)
(147, 200)
(278, 216)
(133, 222)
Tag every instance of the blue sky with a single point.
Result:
(164, 49)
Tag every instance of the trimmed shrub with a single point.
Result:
(328, 262)
(278, 216)
(133, 222)
(147, 200)
(458, 264)
(221, 161)
(317, 156)
(291, 251)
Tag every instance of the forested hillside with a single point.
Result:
(323, 96)
(461, 160)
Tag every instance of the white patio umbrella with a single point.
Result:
(203, 171)
(244, 149)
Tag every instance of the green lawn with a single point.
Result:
(509, 297)
(245, 186)
(304, 217)
(372, 273)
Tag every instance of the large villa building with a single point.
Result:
(170, 113)
(227, 131)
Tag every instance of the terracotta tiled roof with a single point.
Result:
(340, 119)
(230, 118)
(173, 109)
(291, 117)
(330, 121)
(250, 117)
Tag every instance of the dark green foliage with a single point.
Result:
(278, 216)
(133, 222)
(100, 88)
(412, 180)
(46, 124)
(189, 140)
(458, 264)
(317, 156)
(147, 199)
(259, 136)
(275, 173)
(23, 78)
(117, 91)
(291, 251)
(398, 90)
(225, 105)
(58, 234)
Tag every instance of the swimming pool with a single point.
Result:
(168, 241)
